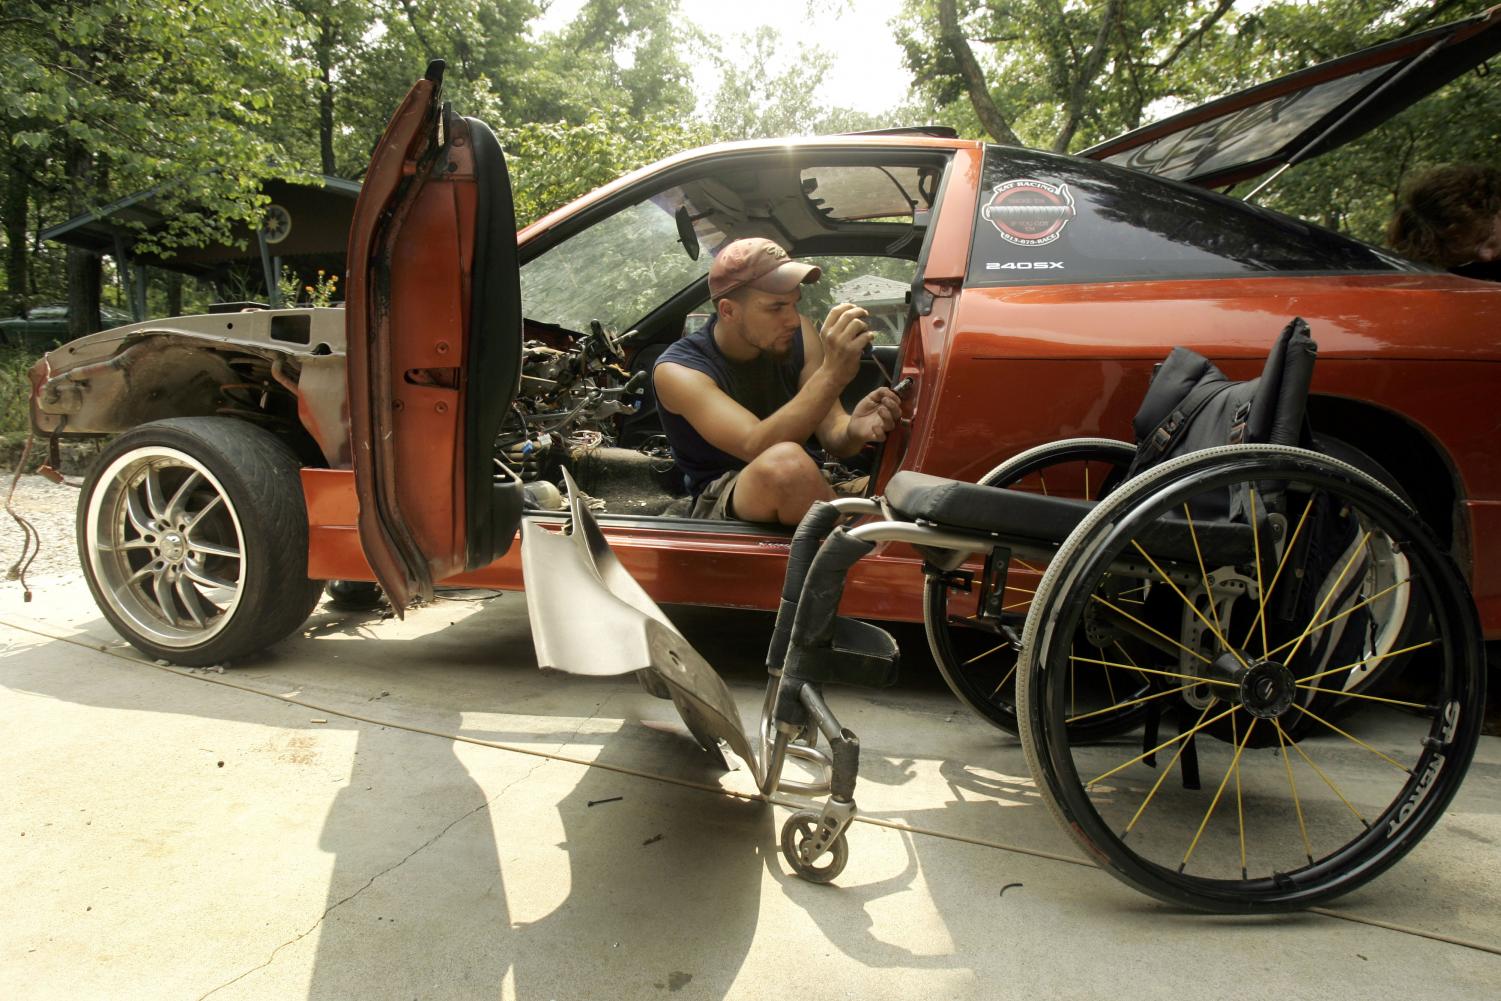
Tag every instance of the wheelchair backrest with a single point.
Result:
(1192, 405)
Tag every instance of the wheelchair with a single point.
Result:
(1230, 596)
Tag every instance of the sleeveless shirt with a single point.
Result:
(762, 385)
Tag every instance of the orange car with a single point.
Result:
(405, 438)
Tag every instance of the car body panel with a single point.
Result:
(576, 576)
(116, 379)
(1028, 365)
(680, 562)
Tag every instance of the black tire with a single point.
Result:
(1274, 847)
(192, 535)
(976, 662)
(354, 595)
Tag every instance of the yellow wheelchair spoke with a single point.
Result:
(1213, 628)
(1354, 740)
(1156, 632)
(1129, 703)
(1293, 785)
(1152, 670)
(1312, 630)
(1363, 660)
(987, 653)
(1369, 698)
(1256, 549)
(1333, 590)
(1234, 767)
(1165, 744)
(1166, 771)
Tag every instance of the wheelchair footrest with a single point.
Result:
(860, 654)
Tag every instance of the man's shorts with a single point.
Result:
(716, 501)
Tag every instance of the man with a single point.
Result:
(1450, 216)
(740, 399)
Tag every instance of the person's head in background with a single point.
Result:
(1449, 216)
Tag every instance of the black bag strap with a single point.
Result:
(1155, 445)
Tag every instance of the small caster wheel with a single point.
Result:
(799, 829)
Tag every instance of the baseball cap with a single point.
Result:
(760, 264)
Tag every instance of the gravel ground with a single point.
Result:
(50, 508)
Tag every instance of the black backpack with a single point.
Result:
(1191, 404)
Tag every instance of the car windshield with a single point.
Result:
(617, 270)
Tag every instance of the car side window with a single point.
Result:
(615, 271)
(879, 284)
(1048, 218)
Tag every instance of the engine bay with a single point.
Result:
(576, 391)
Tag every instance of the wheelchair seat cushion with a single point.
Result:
(1018, 516)
(954, 504)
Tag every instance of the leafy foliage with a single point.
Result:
(15, 389)
(552, 163)
(116, 96)
(1015, 70)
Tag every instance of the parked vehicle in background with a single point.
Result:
(47, 326)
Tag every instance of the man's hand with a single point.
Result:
(844, 336)
(874, 417)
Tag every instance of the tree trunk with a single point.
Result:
(17, 199)
(952, 35)
(174, 293)
(83, 266)
(1077, 99)
(326, 96)
(83, 292)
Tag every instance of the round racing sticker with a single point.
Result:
(1029, 213)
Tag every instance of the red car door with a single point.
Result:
(433, 320)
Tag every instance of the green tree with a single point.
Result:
(1054, 75)
(1353, 189)
(115, 96)
(759, 97)
(552, 163)
(1065, 75)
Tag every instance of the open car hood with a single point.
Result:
(1301, 115)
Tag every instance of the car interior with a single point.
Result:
(606, 293)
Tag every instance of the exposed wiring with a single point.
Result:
(31, 539)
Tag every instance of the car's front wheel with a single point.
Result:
(192, 533)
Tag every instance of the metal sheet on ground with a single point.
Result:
(589, 616)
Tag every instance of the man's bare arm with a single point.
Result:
(840, 433)
(730, 427)
(833, 425)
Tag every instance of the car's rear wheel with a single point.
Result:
(975, 654)
(192, 533)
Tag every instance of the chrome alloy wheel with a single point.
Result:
(165, 545)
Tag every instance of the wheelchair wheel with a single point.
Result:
(1254, 801)
(975, 656)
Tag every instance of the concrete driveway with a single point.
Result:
(385, 809)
